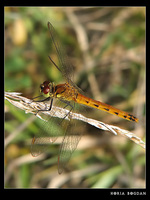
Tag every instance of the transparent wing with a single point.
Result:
(52, 127)
(69, 144)
(65, 67)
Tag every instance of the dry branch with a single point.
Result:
(29, 106)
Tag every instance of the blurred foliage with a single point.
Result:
(116, 46)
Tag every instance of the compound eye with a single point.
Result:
(46, 90)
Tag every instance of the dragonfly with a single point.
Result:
(69, 95)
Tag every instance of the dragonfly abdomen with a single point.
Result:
(105, 107)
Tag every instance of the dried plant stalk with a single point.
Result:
(29, 106)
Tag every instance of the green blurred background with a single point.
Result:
(106, 47)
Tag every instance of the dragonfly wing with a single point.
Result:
(39, 145)
(68, 146)
(49, 133)
(51, 128)
(65, 67)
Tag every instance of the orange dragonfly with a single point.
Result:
(67, 94)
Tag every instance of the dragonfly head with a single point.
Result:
(45, 88)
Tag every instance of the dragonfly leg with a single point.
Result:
(67, 104)
(50, 107)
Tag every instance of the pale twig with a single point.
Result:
(29, 106)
